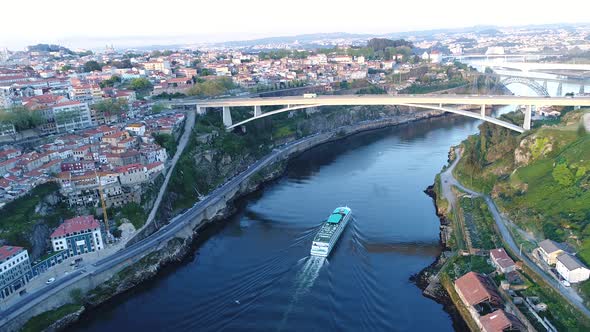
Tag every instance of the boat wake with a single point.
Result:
(304, 280)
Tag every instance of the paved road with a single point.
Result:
(448, 180)
(134, 251)
(188, 128)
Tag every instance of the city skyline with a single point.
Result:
(131, 25)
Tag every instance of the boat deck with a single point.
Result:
(325, 233)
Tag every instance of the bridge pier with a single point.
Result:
(226, 116)
(559, 89)
(545, 84)
(527, 118)
(483, 111)
(257, 111)
(201, 110)
(581, 89)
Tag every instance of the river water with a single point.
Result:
(254, 271)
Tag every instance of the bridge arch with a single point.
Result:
(479, 116)
(534, 85)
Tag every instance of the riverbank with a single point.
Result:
(428, 279)
(161, 256)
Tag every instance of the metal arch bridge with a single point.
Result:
(434, 102)
(534, 85)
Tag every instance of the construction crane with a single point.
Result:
(103, 204)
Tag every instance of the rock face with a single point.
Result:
(65, 321)
(531, 148)
(38, 237)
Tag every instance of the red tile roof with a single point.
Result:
(6, 252)
(477, 288)
(68, 103)
(153, 165)
(77, 224)
(499, 321)
(127, 168)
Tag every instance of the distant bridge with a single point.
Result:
(500, 56)
(533, 66)
(534, 85)
(434, 102)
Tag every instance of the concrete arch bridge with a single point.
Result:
(442, 102)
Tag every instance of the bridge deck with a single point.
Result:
(393, 100)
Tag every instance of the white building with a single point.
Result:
(436, 57)
(495, 50)
(136, 129)
(571, 269)
(71, 115)
(15, 270)
(78, 236)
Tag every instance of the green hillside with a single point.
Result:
(541, 178)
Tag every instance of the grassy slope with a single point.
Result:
(531, 194)
(44, 320)
(19, 216)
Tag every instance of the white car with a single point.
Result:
(50, 281)
(565, 283)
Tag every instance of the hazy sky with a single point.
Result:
(72, 21)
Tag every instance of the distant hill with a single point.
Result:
(305, 38)
(48, 48)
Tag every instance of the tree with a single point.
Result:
(92, 66)
(140, 84)
(380, 44)
(65, 68)
(206, 72)
(215, 87)
(20, 117)
(109, 107)
(562, 174)
(157, 108)
(110, 82)
(125, 63)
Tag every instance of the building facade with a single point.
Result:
(502, 261)
(15, 270)
(78, 236)
(571, 269)
(549, 250)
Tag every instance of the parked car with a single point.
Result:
(50, 281)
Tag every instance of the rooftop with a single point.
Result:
(6, 252)
(499, 321)
(477, 288)
(570, 262)
(549, 246)
(501, 257)
(76, 224)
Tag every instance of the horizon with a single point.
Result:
(131, 41)
(144, 25)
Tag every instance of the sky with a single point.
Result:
(78, 23)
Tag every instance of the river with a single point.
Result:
(254, 272)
